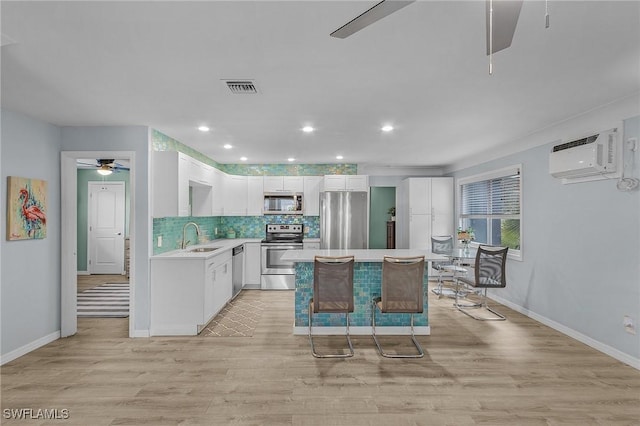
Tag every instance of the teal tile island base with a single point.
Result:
(367, 282)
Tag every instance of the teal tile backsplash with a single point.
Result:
(170, 228)
(162, 142)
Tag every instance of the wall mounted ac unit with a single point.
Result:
(591, 156)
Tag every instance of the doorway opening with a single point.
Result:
(97, 238)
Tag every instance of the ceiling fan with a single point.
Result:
(106, 166)
(501, 17)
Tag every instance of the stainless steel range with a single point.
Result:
(278, 274)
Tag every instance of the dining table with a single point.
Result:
(460, 257)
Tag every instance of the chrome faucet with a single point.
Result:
(185, 242)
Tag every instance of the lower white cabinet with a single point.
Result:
(252, 265)
(186, 293)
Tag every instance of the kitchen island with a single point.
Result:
(367, 281)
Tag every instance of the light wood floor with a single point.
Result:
(86, 282)
(516, 372)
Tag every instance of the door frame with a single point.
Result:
(69, 236)
(90, 211)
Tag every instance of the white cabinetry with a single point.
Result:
(255, 195)
(346, 183)
(217, 192)
(252, 265)
(424, 208)
(283, 183)
(235, 195)
(187, 293)
(170, 180)
(311, 198)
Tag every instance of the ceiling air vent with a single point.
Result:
(242, 87)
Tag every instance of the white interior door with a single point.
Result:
(106, 228)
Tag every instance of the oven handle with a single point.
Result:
(282, 246)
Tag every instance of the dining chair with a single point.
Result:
(402, 292)
(489, 273)
(444, 245)
(332, 293)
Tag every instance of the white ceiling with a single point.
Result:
(422, 69)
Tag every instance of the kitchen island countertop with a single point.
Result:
(361, 255)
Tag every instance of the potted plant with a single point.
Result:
(392, 213)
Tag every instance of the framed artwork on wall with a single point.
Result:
(26, 208)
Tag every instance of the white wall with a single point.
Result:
(126, 138)
(30, 286)
(581, 267)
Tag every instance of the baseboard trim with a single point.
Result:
(606, 349)
(23, 350)
(362, 331)
(140, 333)
(83, 273)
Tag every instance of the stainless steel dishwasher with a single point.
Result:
(237, 269)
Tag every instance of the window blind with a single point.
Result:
(491, 198)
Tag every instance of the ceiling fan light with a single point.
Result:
(105, 170)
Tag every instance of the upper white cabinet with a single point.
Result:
(346, 183)
(424, 208)
(235, 195)
(217, 192)
(255, 195)
(199, 172)
(311, 197)
(283, 183)
(170, 182)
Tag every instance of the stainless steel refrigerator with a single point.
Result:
(344, 220)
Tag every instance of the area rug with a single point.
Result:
(106, 300)
(238, 318)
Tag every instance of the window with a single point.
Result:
(490, 205)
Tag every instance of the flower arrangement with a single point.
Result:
(465, 236)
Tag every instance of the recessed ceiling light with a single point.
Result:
(203, 128)
(243, 158)
(339, 157)
(387, 128)
(308, 129)
(291, 159)
(227, 146)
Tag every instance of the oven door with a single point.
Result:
(272, 263)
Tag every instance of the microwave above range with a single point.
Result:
(282, 203)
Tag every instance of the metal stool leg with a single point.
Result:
(313, 350)
(420, 353)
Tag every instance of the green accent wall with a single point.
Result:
(84, 177)
(381, 199)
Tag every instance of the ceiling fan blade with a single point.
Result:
(505, 19)
(377, 12)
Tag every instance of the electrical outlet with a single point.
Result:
(159, 240)
(628, 324)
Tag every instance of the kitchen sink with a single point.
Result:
(203, 249)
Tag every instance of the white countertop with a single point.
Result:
(222, 245)
(372, 255)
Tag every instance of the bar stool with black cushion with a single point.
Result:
(444, 245)
(402, 292)
(489, 273)
(332, 293)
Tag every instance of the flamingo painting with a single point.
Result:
(27, 217)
